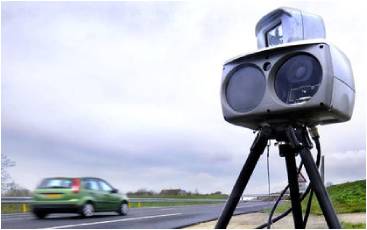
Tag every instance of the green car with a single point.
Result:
(84, 195)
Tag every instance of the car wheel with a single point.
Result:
(40, 214)
(87, 210)
(123, 209)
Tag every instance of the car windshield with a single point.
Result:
(56, 183)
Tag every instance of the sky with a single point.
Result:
(129, 92)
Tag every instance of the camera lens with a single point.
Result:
(298, 79)
(245, 88)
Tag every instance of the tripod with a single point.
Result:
(294, 140)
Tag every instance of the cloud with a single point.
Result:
(130, 92)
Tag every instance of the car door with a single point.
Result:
(92, 188)
(111, 200)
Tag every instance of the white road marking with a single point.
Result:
(17, 218)
(113, 221)
(14, 214)
(165, 209)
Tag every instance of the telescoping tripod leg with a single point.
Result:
(256, 150)
(289, 154)
(299, 137)
(319, 189)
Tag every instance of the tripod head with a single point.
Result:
(296, 136)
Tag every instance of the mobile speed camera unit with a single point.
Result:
(294, 82)
(305, 81)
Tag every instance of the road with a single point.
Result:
(158, 217)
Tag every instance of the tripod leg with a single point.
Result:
(319, 189)
(257, 149)
(293, 186)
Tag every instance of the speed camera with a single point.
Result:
(292, 80)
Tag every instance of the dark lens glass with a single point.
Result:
(275, 35)
(245, 88)
(298, 79)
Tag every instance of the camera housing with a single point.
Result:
(308, 82)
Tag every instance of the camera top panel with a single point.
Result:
(286, 25)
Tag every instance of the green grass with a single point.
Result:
(348, 197)
(347, 225)
(163, 204)
(193, 196)
(166, 204)
(281, 207)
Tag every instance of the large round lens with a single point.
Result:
(298, 79)
(245, 88)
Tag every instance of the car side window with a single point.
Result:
(91, 185)
(104, 186)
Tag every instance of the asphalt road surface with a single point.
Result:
(158, 217)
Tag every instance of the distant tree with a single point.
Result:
(141, 192)
(8, 186)
(16, 190)
(173, 192)
(6, 180)
(328, 184)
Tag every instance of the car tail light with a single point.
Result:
(75, 187)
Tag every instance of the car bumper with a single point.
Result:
(56, 207)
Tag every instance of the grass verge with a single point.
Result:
(167, 204)
(348, 197)
(347, 225)
(184, 196)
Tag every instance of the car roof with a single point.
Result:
(96, 178)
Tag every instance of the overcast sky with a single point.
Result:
(130, 92)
